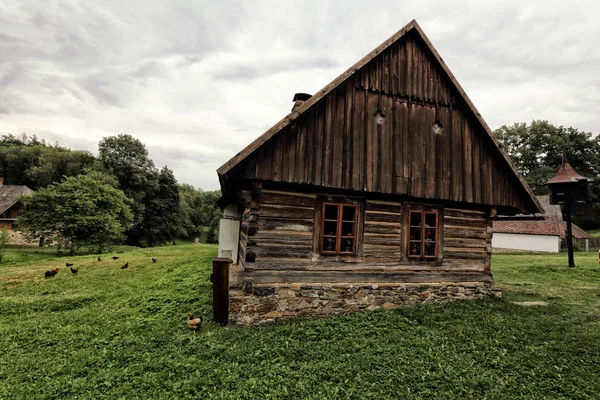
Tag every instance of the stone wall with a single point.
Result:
(270, 303)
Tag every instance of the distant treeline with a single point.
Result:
(163, 210)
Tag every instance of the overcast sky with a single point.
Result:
(196, 81)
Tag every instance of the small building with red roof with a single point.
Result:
(539, 232)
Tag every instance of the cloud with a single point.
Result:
(198, 81)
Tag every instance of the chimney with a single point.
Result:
(300, 98)
(1, 181)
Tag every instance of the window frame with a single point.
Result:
(339, 224)
(438, 243)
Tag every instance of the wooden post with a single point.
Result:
(220, 281)
(569, 235)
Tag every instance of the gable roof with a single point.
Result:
(413, 26)
(549, 223)
(9, 195)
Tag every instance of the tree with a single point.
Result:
(537, 149)
(31, 162)
(126, 158)
(200, 214)
(161, 219)
(82, 211)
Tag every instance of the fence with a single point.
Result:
(580, 244)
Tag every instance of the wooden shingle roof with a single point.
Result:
(9, 195)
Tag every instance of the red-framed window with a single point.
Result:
(338, 229)
(423, 234)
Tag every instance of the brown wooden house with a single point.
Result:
(10, 206)
(377, 191)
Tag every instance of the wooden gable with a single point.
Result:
(334, 140)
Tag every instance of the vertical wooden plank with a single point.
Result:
(319, 144)
(416, 150)
(385, 81)
(338, 136)
(394, 69)
(402, 70)
(386, 148)
(398, 156)
(277, 158)
(265, 168)
(429, 153)
(358, 134)
(348, 138)
(371, 141)
(468, 160)
(301, 156)
(457, 156)
(364, 73)
(309, 140)
(289, 154)
(476, 167)
(373, 74)
(409, 68)
(419, 69)
(328, 140)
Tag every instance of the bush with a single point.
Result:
(4, 242)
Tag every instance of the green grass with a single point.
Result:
(112, 333)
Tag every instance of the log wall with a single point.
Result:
(281, 233)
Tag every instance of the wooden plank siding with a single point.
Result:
(284, 244)
(338, 144)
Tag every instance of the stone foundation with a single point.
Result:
(270, 303)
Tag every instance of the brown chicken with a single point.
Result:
(51, 273)
(74, 270)
(125, 265)
(69, 264)
(154, 260)
(194, 323)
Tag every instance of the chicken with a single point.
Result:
(598, 256)
(125, 265)
(74, 270)
(51, 273)
(194, 323)
(154, 260)
(99, 259)
(69, 265)
(115, 258)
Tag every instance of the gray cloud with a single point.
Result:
(197, 81)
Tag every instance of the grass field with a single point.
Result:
(112, 333)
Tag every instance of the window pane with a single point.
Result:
(429, 248)
(347, 228)
(330, 228)
(348, 213)
(430, 220)
(415, 219)
(329, 243)
(347, 244)
(415, 249)
(331, 212)
(430, 235)
(415, 233)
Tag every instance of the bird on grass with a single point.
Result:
(51, 273)
(99, 259)
(115, 258)
(74, 270)
(154, 260)
(194, 323)
(69, 264)
(125, 265)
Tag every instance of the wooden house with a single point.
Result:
(379, 190)
(10, 206)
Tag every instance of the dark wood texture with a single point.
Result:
(332, 140)
(286, 245)
(402, 155)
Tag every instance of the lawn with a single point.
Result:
(112, 333)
